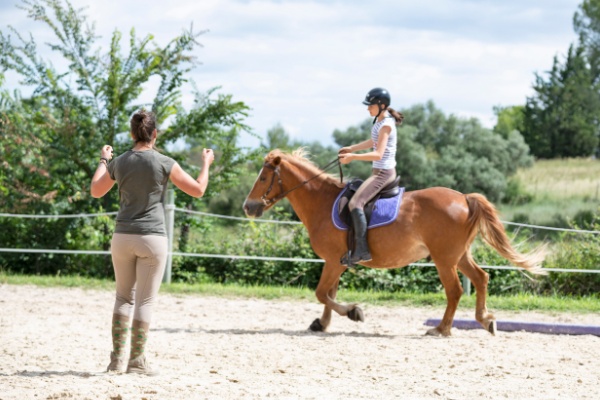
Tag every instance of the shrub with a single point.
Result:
(255, 239)
(574, 252)
(60, 233)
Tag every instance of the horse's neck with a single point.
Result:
(312, 206)
(312, 201)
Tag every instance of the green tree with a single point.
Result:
(51, 139)
(586, 23)
(278, 138)
(561, 118)
(509, 119)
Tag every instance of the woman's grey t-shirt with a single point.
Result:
(142, 177)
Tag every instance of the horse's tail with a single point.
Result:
(483, 216)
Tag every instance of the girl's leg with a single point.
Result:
(365, 192)
(369, 188)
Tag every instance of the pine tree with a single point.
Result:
(561, 119)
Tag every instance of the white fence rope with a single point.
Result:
(170, 207)
(550, 228)
(263, 258)
(273, 221)
(57, 215)
(53, 251)
(183, 210)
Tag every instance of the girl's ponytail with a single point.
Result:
(398, 116)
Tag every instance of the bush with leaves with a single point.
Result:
(51, 140)
(254, 239)
(414, 279)
(574, 251)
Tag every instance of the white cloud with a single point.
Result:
(308, 64)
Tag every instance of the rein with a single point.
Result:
(268, 202)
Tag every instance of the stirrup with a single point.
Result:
(366, 257)
(345, 260)
(348, 259)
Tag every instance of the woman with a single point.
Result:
(139, 243)
(383, 156)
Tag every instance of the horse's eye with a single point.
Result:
(262, 179)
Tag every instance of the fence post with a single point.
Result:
(170, 223)
(466, 283)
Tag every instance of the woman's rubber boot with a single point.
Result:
(361, 247)
(120, 333)
(137, 360)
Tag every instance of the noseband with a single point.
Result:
(267, 202)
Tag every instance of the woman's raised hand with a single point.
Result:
(106, 152)
(208, 156)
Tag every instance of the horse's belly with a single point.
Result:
(395, 251)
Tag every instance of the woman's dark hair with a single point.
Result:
(143, 123)
(398, 116)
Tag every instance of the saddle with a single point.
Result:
(390, 190)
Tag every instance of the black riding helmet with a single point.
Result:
(380, 97)
(377, 96)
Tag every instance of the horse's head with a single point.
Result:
(267, 189)
(283, 173)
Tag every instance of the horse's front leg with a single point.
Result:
(326, 293)
(320, 325)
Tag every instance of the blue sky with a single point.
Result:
(307, 65)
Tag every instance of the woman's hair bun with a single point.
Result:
(143, 123)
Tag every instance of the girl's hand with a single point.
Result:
(106, 152)
(208, 156)
(345, 150)
(345, 158)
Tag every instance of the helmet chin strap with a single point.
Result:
(378, 114)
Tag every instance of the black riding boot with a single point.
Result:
(361, 247)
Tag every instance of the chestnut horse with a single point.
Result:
(437, 222)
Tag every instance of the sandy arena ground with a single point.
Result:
(55, 343)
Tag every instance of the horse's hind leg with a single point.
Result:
(479, 278)
(452, 287)
(326, 293)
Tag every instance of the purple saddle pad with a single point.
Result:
(385, 212)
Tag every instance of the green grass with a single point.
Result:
(521, 302)
(560, 189)
(548, 212)
(563, 179)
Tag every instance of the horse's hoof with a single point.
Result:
(492, 328)
(436, 332)
(316, 326)
(433, 332)
(356, 315)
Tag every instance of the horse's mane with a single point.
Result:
(301, 156)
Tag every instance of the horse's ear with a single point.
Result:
(276, 161)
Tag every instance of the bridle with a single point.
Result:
(267, 202)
